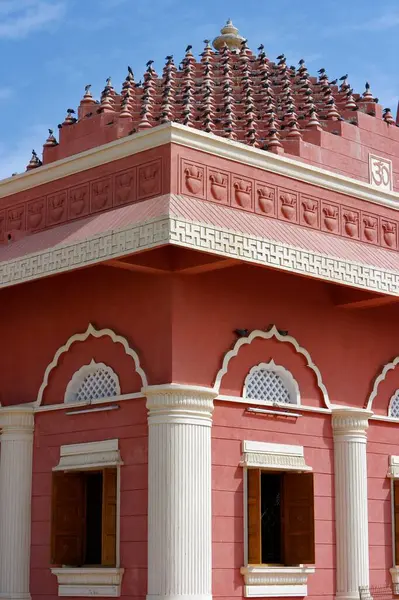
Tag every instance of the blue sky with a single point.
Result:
(51, 48)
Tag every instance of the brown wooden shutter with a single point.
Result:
(108, 553)
(68, 519)
(298, 519)
(396, 510)
(254, 524)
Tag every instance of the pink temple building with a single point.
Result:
(200, 392)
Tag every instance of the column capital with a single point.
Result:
(350, 421)
(16, 419)
(179, 403)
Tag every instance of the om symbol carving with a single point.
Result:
(380, 172)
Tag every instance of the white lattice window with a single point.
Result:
(393, 410)
(272, 384)
(92, 382)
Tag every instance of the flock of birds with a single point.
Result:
(231, 93)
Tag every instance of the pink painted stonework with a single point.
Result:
(200, 368)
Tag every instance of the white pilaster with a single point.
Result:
(351, 514)
(179, 492)
(16, 441)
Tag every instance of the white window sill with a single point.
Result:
(93, 581)
(262, 581)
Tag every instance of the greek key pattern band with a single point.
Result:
(178, 231)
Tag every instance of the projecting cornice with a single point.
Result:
(173, 133)
(342, 261)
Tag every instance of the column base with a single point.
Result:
(15, 596)
(347, 596)
(180, 597)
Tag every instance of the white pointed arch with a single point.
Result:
(91, 331)
(267, 335)
(379, 379)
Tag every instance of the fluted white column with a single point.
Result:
(16, 445)
(351, 514)
(179, 492)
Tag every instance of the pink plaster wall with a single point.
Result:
(232, 424)
(382, 442)
(181, 326)
(52, 429)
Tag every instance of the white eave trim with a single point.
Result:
(205, 142)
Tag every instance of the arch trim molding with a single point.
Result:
(91, 331)
(379, 379)
(267, 335)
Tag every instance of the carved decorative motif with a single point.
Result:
(331, 218)
(218, 182)
(242, 192)
(389, 235)
(310, 211)
(125, 187)
(380, 172)
(288, 205)
(370, 228)
(36, 214)
(149, 179)
(78, 199)
(16, 218)
(266, 199)
(145, 180)
(351, 220)
(56, 208)
(101, 194)
(194, 179)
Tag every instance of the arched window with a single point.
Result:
(272, 384)
(393, 410)
(92, 382)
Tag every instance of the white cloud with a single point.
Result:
(19, 18)
(15, 157)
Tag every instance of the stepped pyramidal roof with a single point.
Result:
(230, 91)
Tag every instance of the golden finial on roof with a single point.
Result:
(230, 36)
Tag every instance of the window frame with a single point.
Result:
(263, 581)
(287, 378)
(94, 580)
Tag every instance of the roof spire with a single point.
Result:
(230, 36)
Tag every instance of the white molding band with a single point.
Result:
(271, 582)
(204, 237)
(351, 508)
(179, 492)
(89, 455)
(16, 441)
(280, 457)
(267, 335)
(91, 331)
(205, 142)
(89, 582)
